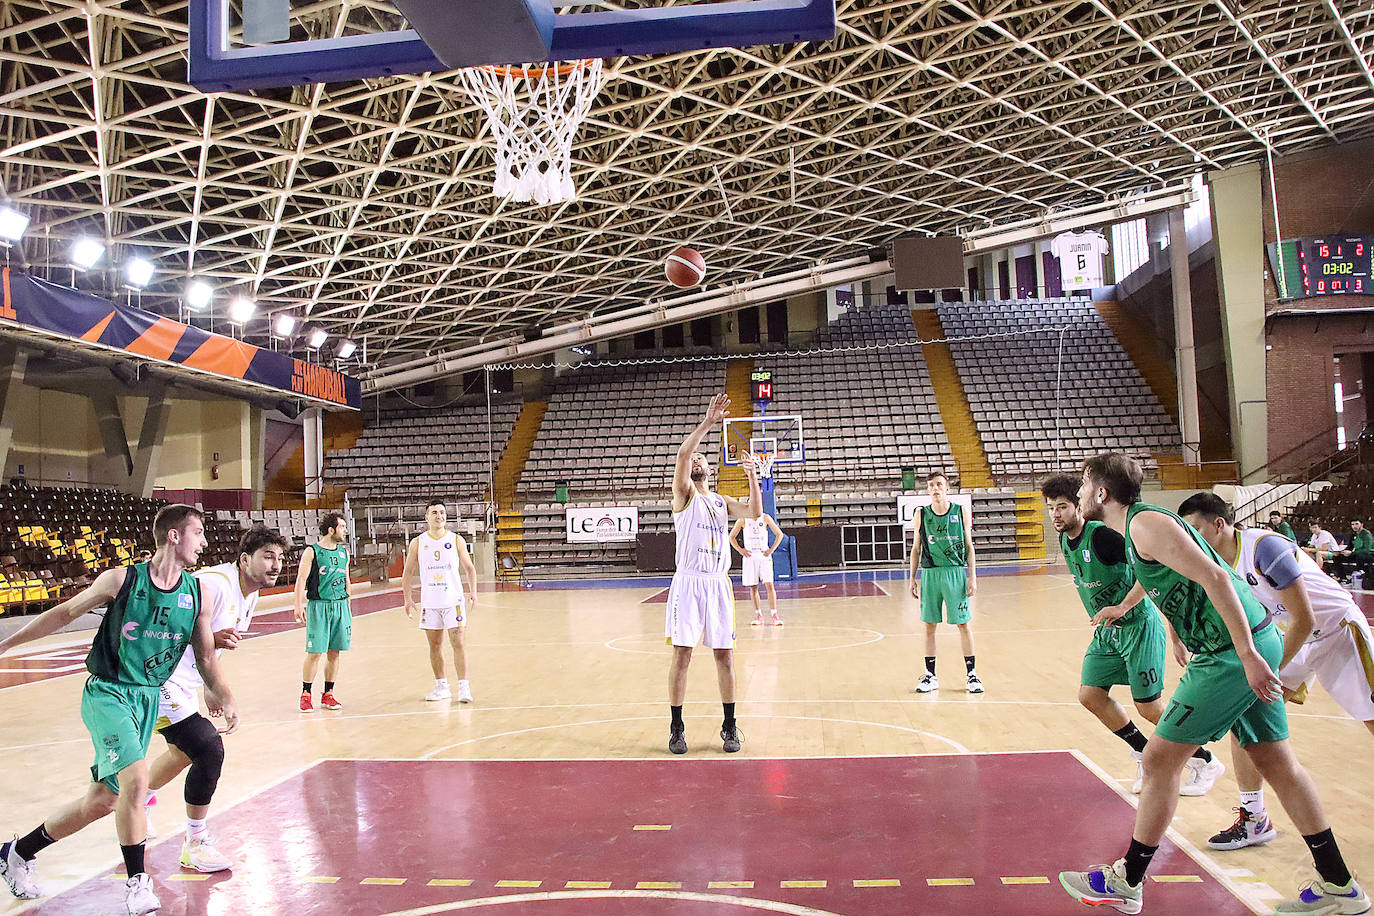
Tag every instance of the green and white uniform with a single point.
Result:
(328, 620)
(143, 636)
(1214, 696)
(944, 565)
(1130, 651)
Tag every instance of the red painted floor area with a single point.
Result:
(37, 663)
(939, 833)
(789, 590)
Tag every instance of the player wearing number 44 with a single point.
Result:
(1229, 685)
(1128, 644)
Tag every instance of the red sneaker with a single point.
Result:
(328, 702)
(306, 705)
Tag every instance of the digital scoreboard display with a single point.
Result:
(761, 386)
(1336, 264)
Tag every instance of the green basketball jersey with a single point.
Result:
(328, 580)
(1185, 602)
(145, 631)
(1100, 584)
(942, 538)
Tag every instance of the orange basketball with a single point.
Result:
(685, 267)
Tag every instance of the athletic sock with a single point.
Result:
(31, 844)
(442, 681)
(1203, 754)
(1254, 803)
(328, 686)
(930, 665)
(306, 686)
(968, 663)
(1326, 855)
(729, 715)
(677, 716)
(1132, 736)
(1137, 861)
(133, 859)
(195, 830)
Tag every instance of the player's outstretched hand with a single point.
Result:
(719, 408)
(1261, 677)
(1109, 615)
(227, 638)
(231, 721)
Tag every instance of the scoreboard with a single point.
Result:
(1335, 264)
(761, 386)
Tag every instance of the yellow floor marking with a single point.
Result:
(803, 884)
(321, 879)
(518, 883)
(653, 826)
(659, 886)
(588, 885)
(1178, 879)
(451, 882)
(724, 884)
(877, 882)
(186, 877)
(948, 882)
(386, 882)
(1031, 879)
(116, 877)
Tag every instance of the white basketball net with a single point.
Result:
(763, 463)
(533, 114)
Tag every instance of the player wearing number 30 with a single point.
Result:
(441, 559)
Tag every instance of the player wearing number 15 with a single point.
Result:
(1229, 685)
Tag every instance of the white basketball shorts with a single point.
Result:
(757, 568)
(701, 610)
(1343, 663)
(442, 618)
(176, 702)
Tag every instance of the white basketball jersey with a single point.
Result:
(229, 607)
(702, 542)
(441, 585)
(1080, 259)
(1330, 602)
(755, 534)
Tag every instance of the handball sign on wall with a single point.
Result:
(602, 524)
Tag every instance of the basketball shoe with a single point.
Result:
(17, 872)
(927, 683)
(202, 856)
(1104, 885)
(758, 619)
(1139, 783)
(306, 705)
(731, 738)
(1320, 897)
(1246, 831)
(440, 692)
(139, 898)
(777, 621)
(1201, 776)
(974, 684)
(148, 804)
(327, 701)
(464, 692)
(677, 739)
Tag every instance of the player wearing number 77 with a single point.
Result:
(1229, 685)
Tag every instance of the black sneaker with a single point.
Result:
(677, 739)
(731, 738)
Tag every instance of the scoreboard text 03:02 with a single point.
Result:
(1336, 264)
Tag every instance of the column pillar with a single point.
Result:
(13, 362)
(1185, 354)
(313, 428)
(150, 440)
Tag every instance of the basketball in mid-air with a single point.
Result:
(685, 267)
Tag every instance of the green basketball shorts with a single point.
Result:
(1131, 654)
(328, 626)
(1214, 697)
(944, 595)
(120, 719)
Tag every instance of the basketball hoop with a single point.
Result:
(763, 464)
(533, 113)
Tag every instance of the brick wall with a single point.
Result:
(1319, 192)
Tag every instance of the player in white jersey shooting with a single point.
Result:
(441, 559)
(756, 561)
(230, 592)
(1326, 637)
(701, 600)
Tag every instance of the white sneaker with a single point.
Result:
(1318, 897)
(1246, 831)
(440, 692)
(974, 684)
(777, 621)
(139, 898)
(18, 874)
(464, 692)
(758, 620)
(927, 683)
(148, 804)
(1139, 783)
(202, 855)
(1201, 776)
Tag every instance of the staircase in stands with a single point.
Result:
(510, 521)
(731, 480)
(286, 489)
(955, 414)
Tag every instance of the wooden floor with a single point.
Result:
(581, 673)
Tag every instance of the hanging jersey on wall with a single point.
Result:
(1080, 258)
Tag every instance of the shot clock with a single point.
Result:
(761, 386)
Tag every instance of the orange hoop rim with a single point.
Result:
(531, 72)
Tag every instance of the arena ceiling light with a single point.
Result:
(138, 272)
(346, 349)
(242, 309)
(86, 252)
(12, 225)
(199, 294)
(316, 337)
(284, 325)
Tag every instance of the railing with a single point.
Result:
(1361, 451)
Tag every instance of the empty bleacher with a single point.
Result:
(1012, 383)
